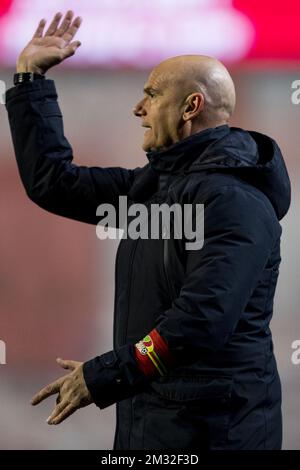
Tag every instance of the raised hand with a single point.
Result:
(49, 49)
(71, 389)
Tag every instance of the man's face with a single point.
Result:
(160, 111)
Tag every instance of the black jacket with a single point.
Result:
(212, 306)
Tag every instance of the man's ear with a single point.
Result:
(193, 107)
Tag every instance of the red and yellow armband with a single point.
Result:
(152, 355)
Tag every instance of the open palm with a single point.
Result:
(49, 49)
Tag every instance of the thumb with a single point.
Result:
(66, 364)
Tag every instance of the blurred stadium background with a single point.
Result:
(56, 276)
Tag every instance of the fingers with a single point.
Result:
(70, 32)
(74, 46)
(46, 392)
(61, 412)
(39, 31)
(53, 26)
(70, 49)
(66, 364)
(66, 31)
(65, 24)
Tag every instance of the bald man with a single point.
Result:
(192, 366)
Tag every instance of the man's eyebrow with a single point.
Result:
(149, 89)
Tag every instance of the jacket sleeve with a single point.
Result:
(239, 233)
(44, 157)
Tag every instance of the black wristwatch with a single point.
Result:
(24, 77)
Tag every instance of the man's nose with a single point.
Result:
(139, 109)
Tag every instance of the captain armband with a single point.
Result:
(152, 355)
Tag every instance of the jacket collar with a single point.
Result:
(181, 154)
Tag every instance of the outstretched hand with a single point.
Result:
(49, 49)
(71, 389)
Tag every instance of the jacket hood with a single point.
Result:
(252, 156)
(255, 158)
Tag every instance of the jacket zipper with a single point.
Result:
(129, 289)
(166, 257)
(115, 341)
(115, 300)
(125, 332)
(163, 181)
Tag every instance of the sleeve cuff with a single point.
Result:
(34, 90)
(113, 376)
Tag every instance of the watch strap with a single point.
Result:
(24, 77)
